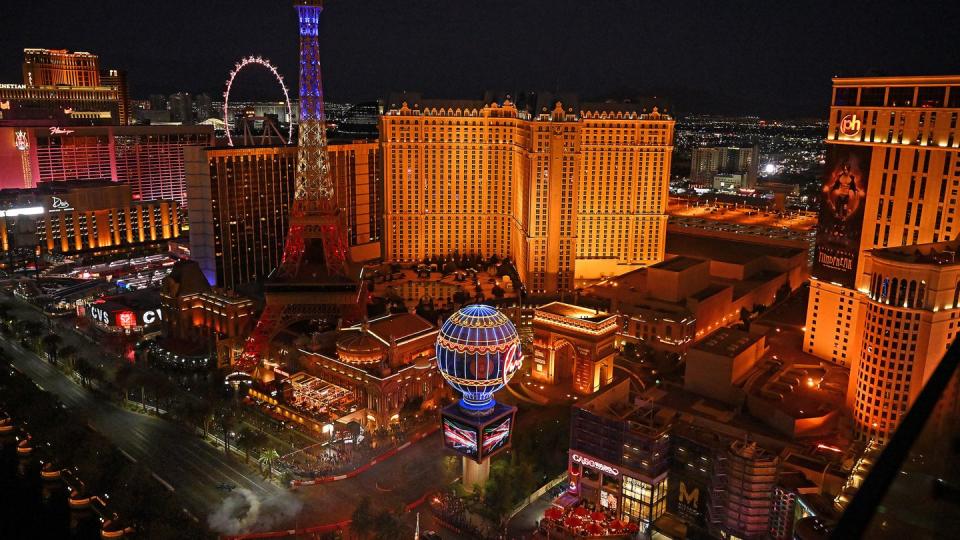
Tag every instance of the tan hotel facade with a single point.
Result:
(569, 191)
(893, 152)
(84, 216)
(909, 318)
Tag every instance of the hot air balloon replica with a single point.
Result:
(478, 352)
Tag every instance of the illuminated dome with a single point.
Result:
(360, 348)
(478, 351)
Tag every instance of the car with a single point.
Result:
(430, 535)
(226, 486)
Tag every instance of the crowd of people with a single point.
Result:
(324, 460)
(451, 511)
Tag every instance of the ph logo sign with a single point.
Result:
(850, 125)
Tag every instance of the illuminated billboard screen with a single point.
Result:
(496, 435)
(460, 437)
(842, 198)
(126, 319)
(687, 498)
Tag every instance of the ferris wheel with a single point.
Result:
(263, 62)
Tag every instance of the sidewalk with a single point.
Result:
(525, 522)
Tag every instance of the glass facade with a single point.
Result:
(643, 502)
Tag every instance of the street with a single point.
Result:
(193, 468)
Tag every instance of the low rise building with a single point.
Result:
(673, 473)
(136, 312)
(730, 182)
(196, 314)
(717, 364)
(94, 217)
(385, 363)
(797, 400)
(574, 346)
(702, 285)
(619, 454)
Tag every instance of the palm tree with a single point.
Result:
(30, 330)
(163, 391)
(68, 354)
(226, 418)
(267, 458)
(84, 370)
(249, 440)
(198, 414)
(124, 379)
(386, 526)
(745, 318)
(361, 521)
(204, 412)
(5, 317)
(50, 344)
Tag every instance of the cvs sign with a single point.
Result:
(152, 316)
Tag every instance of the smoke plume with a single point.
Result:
(244, 512)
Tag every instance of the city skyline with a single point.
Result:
(499, 315)
(515, 46)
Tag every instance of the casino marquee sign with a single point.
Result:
(591, 463)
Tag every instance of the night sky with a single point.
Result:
(772, 58)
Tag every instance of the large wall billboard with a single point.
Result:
(460, 437)
(496, 435)
(842, 198)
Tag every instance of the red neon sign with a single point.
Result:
(126, 319)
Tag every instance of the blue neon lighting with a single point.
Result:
(478, 373)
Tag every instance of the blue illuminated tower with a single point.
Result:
(478, 351)
(314, 280)
(313, 187)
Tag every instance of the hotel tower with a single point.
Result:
(891, 179)
(569, 191)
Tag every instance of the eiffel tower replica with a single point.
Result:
(315, 279)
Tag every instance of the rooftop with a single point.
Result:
(900, 80)
(53, 188)
(529, 102)
(800, 390)
(708, 291)
(142, 299)
(706, 415)
(933, 253)
(678, 264)
(724, 250)
(616, 401)
(399, 326)
(806, 462)
(185, 278)
(727, 342)
(575, 312)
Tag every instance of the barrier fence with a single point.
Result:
(366, 466)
